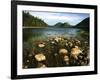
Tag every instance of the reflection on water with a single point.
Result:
(56, 31)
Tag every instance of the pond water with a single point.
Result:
(36, 41)
(47, 32)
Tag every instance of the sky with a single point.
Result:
(52, 18)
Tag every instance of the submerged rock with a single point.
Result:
(30, 55)
(66, 44)
(57, 39)
(41, 45)
(66, 58)
(63, 51)
(55, 54)
(25, 67)
(28, 61)
(52, 42)
(78, 42)
(70, 44)
(41, 65)
(40, 57)
(76, 51)
(60, 51)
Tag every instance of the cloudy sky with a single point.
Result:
(52, 18)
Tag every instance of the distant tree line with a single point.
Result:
(31, 21)
(64, 25)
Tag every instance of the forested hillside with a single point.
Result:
(31, 21)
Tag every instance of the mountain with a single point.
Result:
(84, 23)
(62, 25)
(31, 21)
(58, 24)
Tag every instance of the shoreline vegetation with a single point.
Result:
(54, 51)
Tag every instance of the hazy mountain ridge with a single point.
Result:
(32, 21)
(64, 25)
(84, 24)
